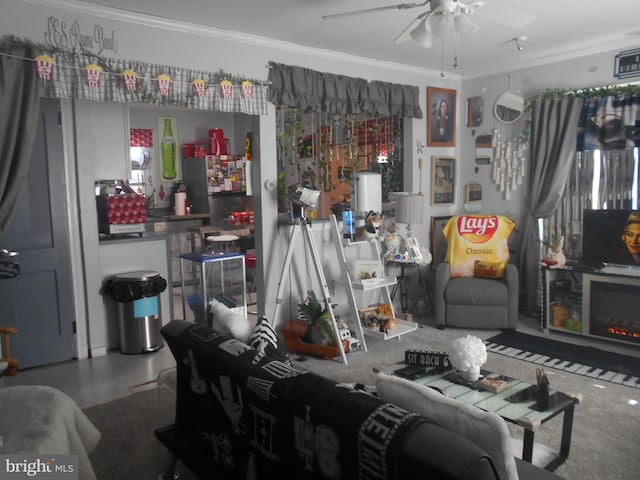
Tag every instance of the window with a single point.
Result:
(600, 179)
(324, 151)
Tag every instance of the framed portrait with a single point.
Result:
(475, 111)
(441, 118)
(438, 242)
(443, 180)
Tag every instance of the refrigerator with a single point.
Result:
(216, 185)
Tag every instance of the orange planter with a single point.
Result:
(292, 333)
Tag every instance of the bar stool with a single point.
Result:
(224, 243)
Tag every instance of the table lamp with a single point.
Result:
(410, 210)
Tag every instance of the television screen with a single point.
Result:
(611, 237)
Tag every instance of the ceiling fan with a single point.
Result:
(447, 15)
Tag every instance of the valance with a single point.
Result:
(313, 91)
(66, 74)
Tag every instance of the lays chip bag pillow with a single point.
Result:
(477, 245)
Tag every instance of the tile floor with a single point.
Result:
(102, 379)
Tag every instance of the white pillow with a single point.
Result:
(228, 322)
(486, 429)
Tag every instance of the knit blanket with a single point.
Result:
(40, 420)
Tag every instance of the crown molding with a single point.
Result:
(177, 26)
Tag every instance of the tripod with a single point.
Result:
(302, 225)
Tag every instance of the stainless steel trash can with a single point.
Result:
(139, 311)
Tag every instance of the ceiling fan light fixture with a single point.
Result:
(439, 21)
(465, 26)
(422, 35)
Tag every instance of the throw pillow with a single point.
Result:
(265, 339)
(486, 429)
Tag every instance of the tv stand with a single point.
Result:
(597, 303)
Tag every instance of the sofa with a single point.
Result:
(242, 412)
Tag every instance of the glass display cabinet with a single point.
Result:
(216, 275)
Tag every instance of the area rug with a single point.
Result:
(578, 359)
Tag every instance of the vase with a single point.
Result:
(472, 374)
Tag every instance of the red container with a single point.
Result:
(199, 151)
(217, 145)
(188, 150)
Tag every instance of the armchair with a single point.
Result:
(474, 302)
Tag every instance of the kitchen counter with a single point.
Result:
(164, 218)
(131, 237)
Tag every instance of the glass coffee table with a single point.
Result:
(516, 404)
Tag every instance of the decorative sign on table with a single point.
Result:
(427, 358)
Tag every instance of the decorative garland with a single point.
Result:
(83, 74)
(590, 92)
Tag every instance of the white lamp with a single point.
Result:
(410, 209)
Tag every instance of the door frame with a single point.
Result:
(75, 231)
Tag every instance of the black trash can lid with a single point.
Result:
(140, 276)
(127, 287)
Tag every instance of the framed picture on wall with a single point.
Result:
(441, 119)
(438, 242)
(475, 111)
(443, 180)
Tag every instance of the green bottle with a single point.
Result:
(168, 151)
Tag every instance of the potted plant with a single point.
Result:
(313, 332)
(319, 326)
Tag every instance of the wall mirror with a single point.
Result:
(509, 106)
(484, 150)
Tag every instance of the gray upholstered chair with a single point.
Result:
(472, 302)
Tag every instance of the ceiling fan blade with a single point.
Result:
(510, 16)
(405, 34)
(399, 6)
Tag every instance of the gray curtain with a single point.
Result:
(313, 91)
(19, 97)
(552, 148)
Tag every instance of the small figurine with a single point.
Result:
(373, 225)
(554, 255)
(392, 241)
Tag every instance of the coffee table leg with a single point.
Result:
(565, 442)
(527, 445)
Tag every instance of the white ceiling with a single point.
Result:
(555, 29)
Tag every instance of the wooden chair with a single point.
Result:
(8, 365)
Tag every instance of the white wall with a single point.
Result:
(206, 49)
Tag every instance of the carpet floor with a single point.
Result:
(605, 434)
(128, 448)
(579, 359)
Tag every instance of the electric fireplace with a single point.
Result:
(612, 306)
